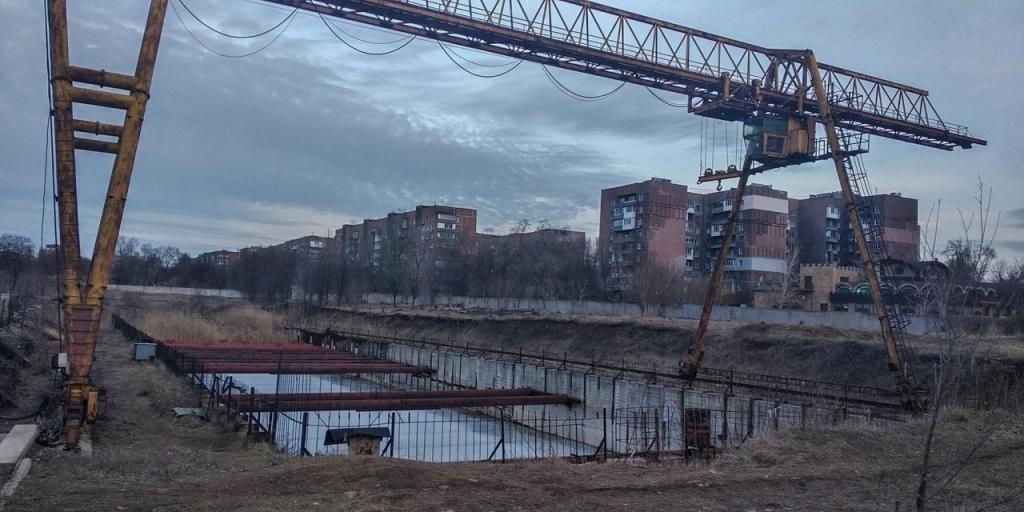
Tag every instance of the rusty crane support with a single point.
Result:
(83, 303)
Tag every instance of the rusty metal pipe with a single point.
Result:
(97, 128)
(101, 98)
(102, 78)
(100, 146)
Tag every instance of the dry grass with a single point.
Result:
(244, 323)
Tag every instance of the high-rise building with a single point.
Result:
(758, 252)
(309, 249)
(430, 234)
(641, 222)
(825, 234)
(221, 258)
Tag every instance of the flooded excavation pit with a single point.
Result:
(308, 400)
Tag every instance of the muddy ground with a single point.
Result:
(145, 459)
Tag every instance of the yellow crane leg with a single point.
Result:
(83, 309)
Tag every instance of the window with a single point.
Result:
(844, 279)
(808, 282)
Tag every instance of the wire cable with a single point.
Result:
(481, 64)
(663, 100)
(364, 52)
(234, 36)
(575, 95)
(227, 55)
(474, 73)
(367, 41)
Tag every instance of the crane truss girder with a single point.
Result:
(612, 43)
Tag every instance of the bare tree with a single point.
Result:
(970, 259)
(784, 289)
(656, 284)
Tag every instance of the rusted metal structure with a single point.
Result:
(399, 400)
(723, 78)
(276, 358)
(82, 304)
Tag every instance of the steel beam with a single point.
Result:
(404, 404)
(101, 98)
(374, 395)
(102, 78)
(97, 128)
(696, 353)
(99, 146)
(301, 368)
(596, 39)
(903, 383)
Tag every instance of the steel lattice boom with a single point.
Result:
(739, 78)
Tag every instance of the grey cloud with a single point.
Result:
(308, 133)
(1015, 218)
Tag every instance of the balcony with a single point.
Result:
(832, 213)
(717, 229)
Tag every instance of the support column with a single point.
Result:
(909, 395)
(83, 310)
(696, 353)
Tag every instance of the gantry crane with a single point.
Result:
(781, 96)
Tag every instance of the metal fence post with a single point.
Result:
(503, 436)
(604, 428)
(252, 407)
(391, 452)
(302, 440)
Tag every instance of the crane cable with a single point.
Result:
(234, 36)
(663, 100)
(290, 19)
(360, 50)
(575, 95)
(476, 63)
(467, 70)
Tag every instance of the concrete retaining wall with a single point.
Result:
(742, 315)
(173, 290)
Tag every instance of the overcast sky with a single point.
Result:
(308, 134)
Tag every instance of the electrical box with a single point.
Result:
(59, 361)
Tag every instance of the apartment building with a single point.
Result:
(758, 252)
(641, 222)
(430, 234)
(825, 234)
(308, 249)
(222, 258)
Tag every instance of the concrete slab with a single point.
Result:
(17, 443)
(20, 472)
